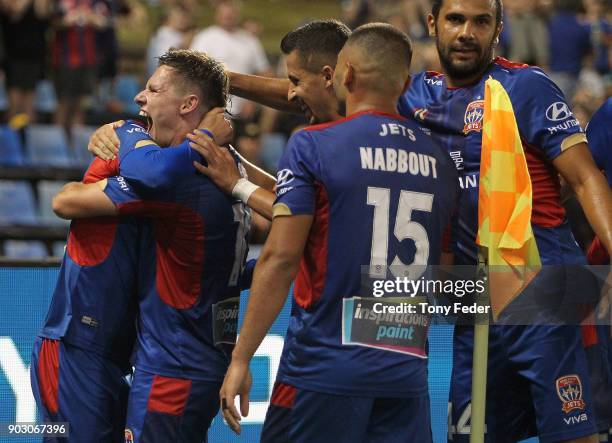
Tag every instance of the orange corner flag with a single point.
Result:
(505, 202)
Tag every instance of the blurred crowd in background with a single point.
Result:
(68, 66)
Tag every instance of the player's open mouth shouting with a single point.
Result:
(147, 117)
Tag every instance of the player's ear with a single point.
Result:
(431, 25)
(407, 83)
(349, 77)
(190, 103)
(328, 75)
(500, 28)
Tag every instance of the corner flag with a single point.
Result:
(505, 202)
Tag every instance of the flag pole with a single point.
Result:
(480, 358)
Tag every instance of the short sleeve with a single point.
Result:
(121, 192)
(152, 168)
(149, 167)
(132, 136)
(544, 118)
(296, 177)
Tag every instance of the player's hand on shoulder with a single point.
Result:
(104, 142)
(221, 127)
(221, 166)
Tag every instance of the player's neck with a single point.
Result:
(463, 82)
(454, 83)
(181, 131)
(378, 103)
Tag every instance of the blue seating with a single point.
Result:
(3, 96)
(21, 249)
(11, 151)
(272, 148)
(46, 191)
(47, 145)
(17, 203)
(45, 99)
(126, 88)
(59, 247)
(80, 140)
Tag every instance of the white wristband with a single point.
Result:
(243, 189)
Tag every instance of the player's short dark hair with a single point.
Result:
(386, 42)
(318, 42)
(436, 5)
(202, 71)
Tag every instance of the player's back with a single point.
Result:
(193, 248)
(383, 194)
(94, 302)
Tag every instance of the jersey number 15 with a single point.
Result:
(404, 228)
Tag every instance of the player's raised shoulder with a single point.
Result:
(428, 79)
(131, 127)
(526, 77)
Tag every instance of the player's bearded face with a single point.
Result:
(466, 32)
(459, 66)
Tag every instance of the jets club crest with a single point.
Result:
(473, 117)
(569, 389)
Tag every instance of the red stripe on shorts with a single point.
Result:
(168, 395)
(48, 374)
(589, 336)
(283, 395)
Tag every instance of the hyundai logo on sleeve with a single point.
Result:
(558, 111)
(284, 177)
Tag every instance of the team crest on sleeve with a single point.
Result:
(129, 436)
(473, 117)
(569, 389)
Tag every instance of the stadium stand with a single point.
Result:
(24, 249)
(78, 150)
(58, 248)
(45, 100)
(272, 147)
(17, 203)
(47, 145)
(11, 149)
(46, 190)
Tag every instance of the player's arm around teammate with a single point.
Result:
(104, 142)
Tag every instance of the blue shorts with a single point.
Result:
(538, 384)
(296, 416)
(165, 409)
(79, 387)
(596, 341)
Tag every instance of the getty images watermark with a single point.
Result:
(407, 287)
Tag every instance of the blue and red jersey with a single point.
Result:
(546, 125)
(192, 252)
(94, 302)
(381, 193)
